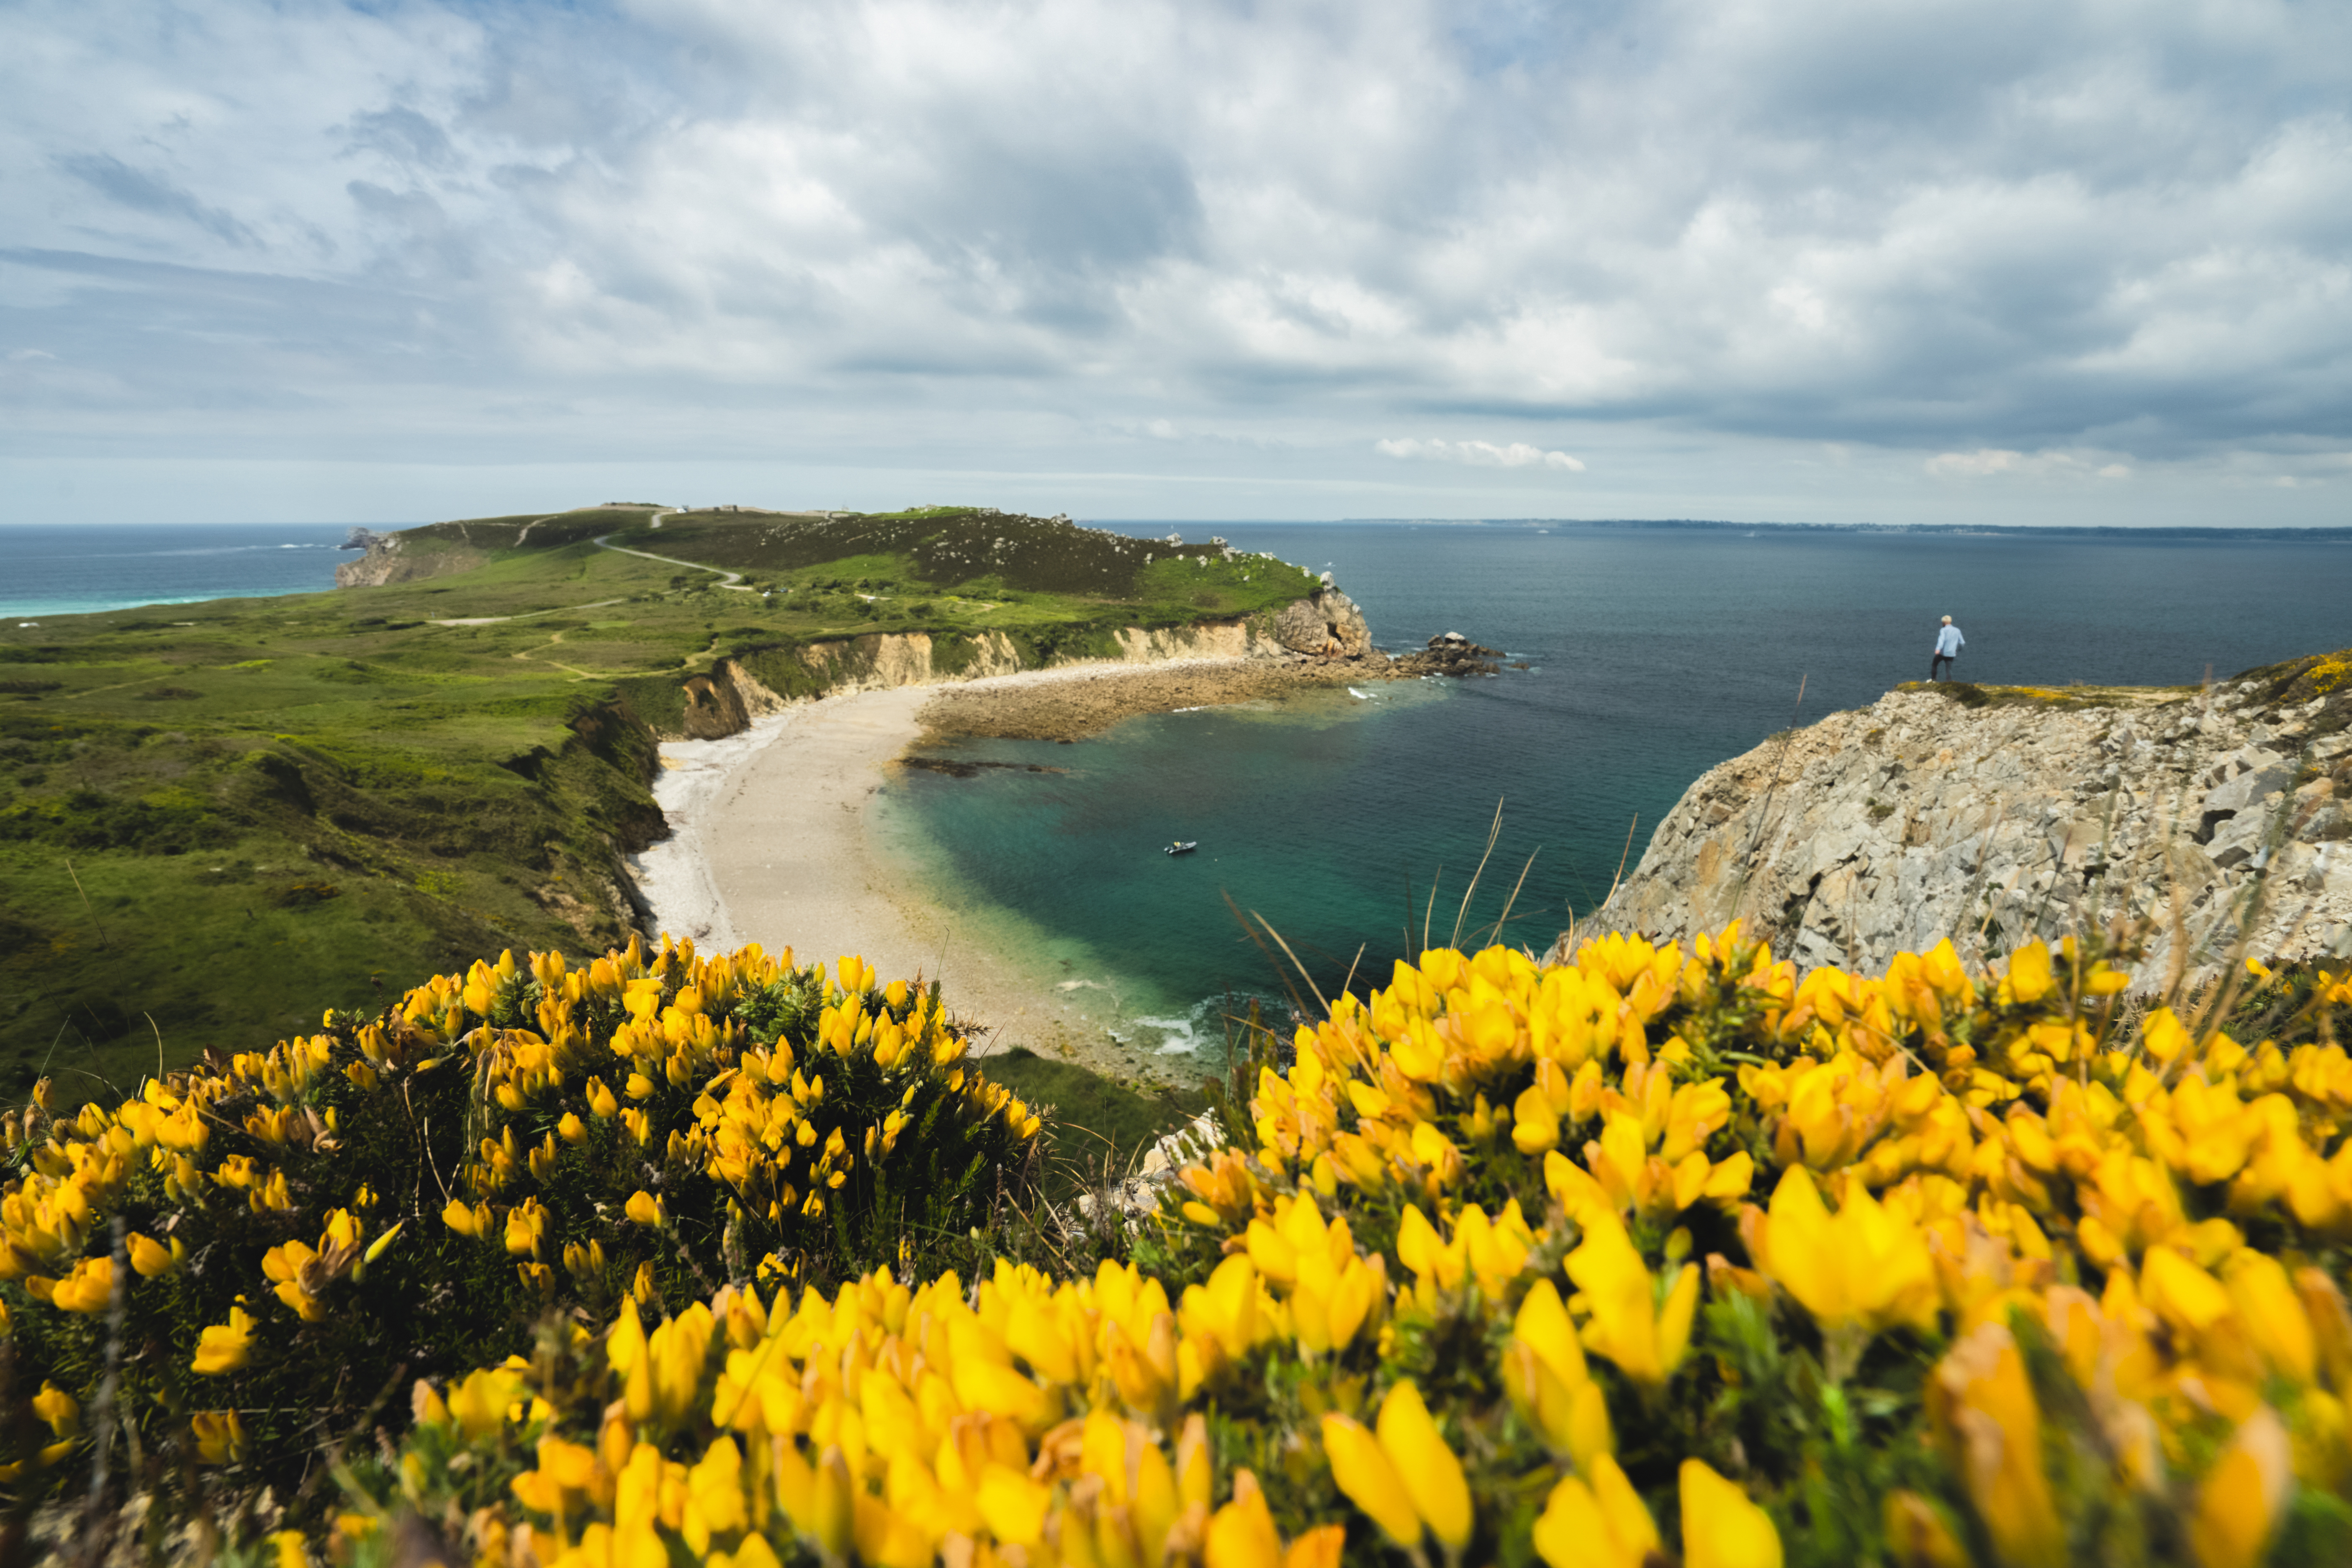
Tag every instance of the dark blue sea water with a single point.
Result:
(1655, 654)
(71, 569)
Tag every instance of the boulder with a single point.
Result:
(1326, 624)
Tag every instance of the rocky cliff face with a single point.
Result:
(2213, 823)
(1328, 624)
(726, 699)
(387, 563)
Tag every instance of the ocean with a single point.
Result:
(81, 568)
(1350, 823)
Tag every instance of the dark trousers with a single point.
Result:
(1940, 666)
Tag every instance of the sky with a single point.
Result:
(1942, 261)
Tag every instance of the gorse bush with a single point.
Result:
(1653, 1256)
(260, 1254)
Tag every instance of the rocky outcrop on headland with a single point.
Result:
(2214, 823)
(387, 563)
(1326, 625)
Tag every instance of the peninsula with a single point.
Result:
(215, 817)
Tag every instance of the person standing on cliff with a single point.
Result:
(1948, 643)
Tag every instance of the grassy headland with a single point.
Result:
(214, 816)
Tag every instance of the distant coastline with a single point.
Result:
(2055, 530)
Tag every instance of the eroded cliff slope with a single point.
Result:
(2213, 820)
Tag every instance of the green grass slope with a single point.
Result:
(214, 816)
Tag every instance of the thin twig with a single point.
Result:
(1494, 932)
(425, 1137)
(1623, 856)
(1298, 1003)
(1493, 831)
(1294, 960)
(87, 904)
(1346, 984)
(100, 1471)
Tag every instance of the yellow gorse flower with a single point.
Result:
(1630, 1324)
(1990, 1425)
(1865, 1267)
(1596, 1519)
(226, 1347)
(59, 1409)
(1721, 1527)
(1431, 1475)
(1544, 1372)
(219, 1436)
(1508, 1165)
(152, 1258)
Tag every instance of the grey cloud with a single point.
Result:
(403, 136)
(1060, 225)
(144, 191)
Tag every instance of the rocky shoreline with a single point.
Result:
(1088, 702)
(1322, 642)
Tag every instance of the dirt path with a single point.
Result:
(734, 579)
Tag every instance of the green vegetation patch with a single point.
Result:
(2065, 699)
(981, 552)
(1093, 1128)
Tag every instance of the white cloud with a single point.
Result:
(1989, 460)
(1480, 454)
(1974, 465)
(1974, 236)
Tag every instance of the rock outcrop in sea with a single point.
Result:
(2215, 822)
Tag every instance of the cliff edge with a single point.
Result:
(2215, 820)
(387, 563)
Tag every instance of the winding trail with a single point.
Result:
(734, 579)
(526, 616)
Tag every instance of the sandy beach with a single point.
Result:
(772, 842)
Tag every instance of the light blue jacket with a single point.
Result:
(1948, 642)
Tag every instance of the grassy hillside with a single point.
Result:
(215, 817)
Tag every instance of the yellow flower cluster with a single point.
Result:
(1506, 1257)
(618, 1119)
(1021, 1421)
(1950, 1152)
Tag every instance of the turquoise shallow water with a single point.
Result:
(1655, 655)
(72, 569)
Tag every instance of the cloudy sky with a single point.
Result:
(1896, 260)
